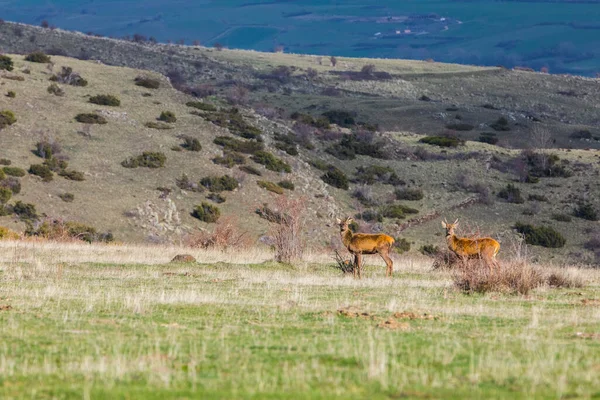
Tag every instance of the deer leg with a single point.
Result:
(359, 263)
(388, 262)
(355, 269)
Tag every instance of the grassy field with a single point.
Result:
(122, 322)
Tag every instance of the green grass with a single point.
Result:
(112, 329)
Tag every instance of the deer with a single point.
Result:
(366, 243)
(484, 248)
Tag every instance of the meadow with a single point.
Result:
(121, 321)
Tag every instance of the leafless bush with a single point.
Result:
(226, 234)
(237, 95)
(268, 111)
(201, 91)
(311, 73)
(289, 243)
(331, 92)
(364, 195)
(466, 182)
(346, 266)
(473, 276)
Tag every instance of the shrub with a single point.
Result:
(335, 177)
(191, 144)
(55, 90)
(25, 211)
(11, 183)
(90, 118)
(2, 175)
(200, 105)
(186, 184)
(147, 82)
(230, 159)
(545, 165)
(286, 184)
(5, 161)
(207, 212)
(401, 245)
(339, 117)
(270, 186)
(429, 250)
(511, 194)
(69, 77)
(375, 173)
(586, 211)
(167, 116)
(358, 143)
(11, 94)
(105, 100)
(581, 135)
(72, 175)
(6, 63)
(42, 171)
(147, 159)
(561, 217)
(67, 197)
(460, 127)
(7, 234)
(5, 195)
(157, 125)
(501, 124)
(397, 211)
(513, 278)
(55, 164)
(7, 118)
(250, 170)
(540, 236)
(442, 141)
(271, 162)
(46, 149)
(219, 184)
(289, 243)
(409, 194)
(216, 197)
(59, 230)
(38, 57)
(488, 137)
(242, 146)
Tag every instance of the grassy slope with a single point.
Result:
(136, 326)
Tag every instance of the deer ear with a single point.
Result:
(339, 221)
(444, 224)
(456, 222)
(350, 220)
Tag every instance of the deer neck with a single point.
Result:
(346, 237)
(451, 239)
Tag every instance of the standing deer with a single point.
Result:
(484, 248)
(366, 243)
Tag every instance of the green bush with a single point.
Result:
(147, 82)
(540, 236)
(25, 211)
(376, 173)
(340, 117)
(67, 197)
(537, 197)
(287, 184)
(191, 144)
(38, 57)
(429, 250)
(105, 100)
(11, 183)
(45, 149)
(586, 211)
(55, 90)
(5, 195)
(370, 216)
(55, 164)
(442, 141)
(500, 125)
(167, 116)
(90, 118)
(352, 145)
(488, 137)
(72, 175)
(7, 118)
(234, 121)
(5, 161)
(241, 146)
(249, 169)
(207, 212)
(397, 211)
(219, 183)
(42, 171)
(147, 159)
(271, 162)
(460, 127)
(545, 165)
(511, 194)
(270, 186)
(2, 175)
(157, 125)
(201, 105)
(409, 194)
(336, 178)
(69, 77)
(6, 63)
(217, 198)
(230, 159)
(561, 217)
(11, 94)
(401, 245)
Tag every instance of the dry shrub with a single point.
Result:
(289, 243)
(346, 266)
(227, 234)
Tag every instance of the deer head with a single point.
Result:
(343, 224)
(449, 227)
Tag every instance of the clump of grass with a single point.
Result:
(230, 159)
(216, 197)
(191, 144)
(561, 217)
(249, 169)
(6, 63)
(11, 94)
(271, 162)
(157, 125)
(270, 186)
(105, 100)
(586, 211)
(14, 171)
(72, 175)
(69, 77)
(90, 118)
(220, 183)
(147, 159)
(207, 212)
(442, 141)
(25, 211)
(147, 82)
(43, 171)
(409, 194)
(38, 57)
(167, 116)
(241, 146)
(7, 118)
(335, 177)
(200, 105)
(5, 161)
(286, 184)
(67, 197)
(55, 90)
(401, 245)
(397, 211)
(511, 194)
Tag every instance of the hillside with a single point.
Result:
(147, 204)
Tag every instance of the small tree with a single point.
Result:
(289, 243)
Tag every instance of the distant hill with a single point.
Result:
(309, 115)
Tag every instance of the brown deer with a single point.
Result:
(484, 248)
(366, 243)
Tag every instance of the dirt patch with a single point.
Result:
(5, 307)
(352, 312)
(590, 302)
(412, 315)
(394, 325)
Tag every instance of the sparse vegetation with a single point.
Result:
(241, 146)
(90, 118)
(147, 159)
(191, 144)
(286, 184)
(249, 169)
(207, 212)
(230, 159)
(105, 100)
(67, 197)
(25, 211)
(561, 217)
(11, 94)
